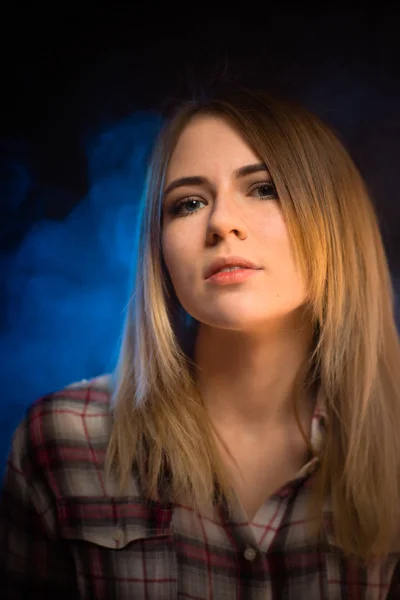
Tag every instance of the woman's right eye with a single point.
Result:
(182, 208)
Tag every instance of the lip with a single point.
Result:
(228, 261)
(231, 277)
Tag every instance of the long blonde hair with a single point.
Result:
(160, 423)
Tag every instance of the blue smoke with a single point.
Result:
(66, 285)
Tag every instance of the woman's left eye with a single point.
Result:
(265, 189)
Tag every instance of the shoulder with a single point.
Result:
(64, 438)
(78, 415)
(64, 412)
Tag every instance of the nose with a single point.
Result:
(225, 219)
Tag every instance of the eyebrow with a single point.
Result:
(199, 180)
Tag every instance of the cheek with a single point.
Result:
(168, 245)
(179, 245)
(270, 223)
(167, 254)
(174, 251)
(275, 238)
(279, 251)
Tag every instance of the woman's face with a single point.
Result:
(226, 213)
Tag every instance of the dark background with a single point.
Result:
(81, 97)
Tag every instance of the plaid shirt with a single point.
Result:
(64, 533)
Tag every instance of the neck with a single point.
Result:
(250, 382)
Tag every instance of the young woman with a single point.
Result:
(248, 446)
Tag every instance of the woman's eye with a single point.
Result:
(185, 207)
(189, 206)
(265, 189)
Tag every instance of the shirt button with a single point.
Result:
(250, 553)
(118, 536)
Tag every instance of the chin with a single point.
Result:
(231, 323)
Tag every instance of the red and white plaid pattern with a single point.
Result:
(64, 533)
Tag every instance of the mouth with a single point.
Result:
(237, 275)
(231, 263)
(229, 269)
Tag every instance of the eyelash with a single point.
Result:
(177, 208)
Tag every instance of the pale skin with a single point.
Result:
(253, 336)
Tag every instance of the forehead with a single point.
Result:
(209, 142)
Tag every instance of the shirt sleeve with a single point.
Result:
(34, 560)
